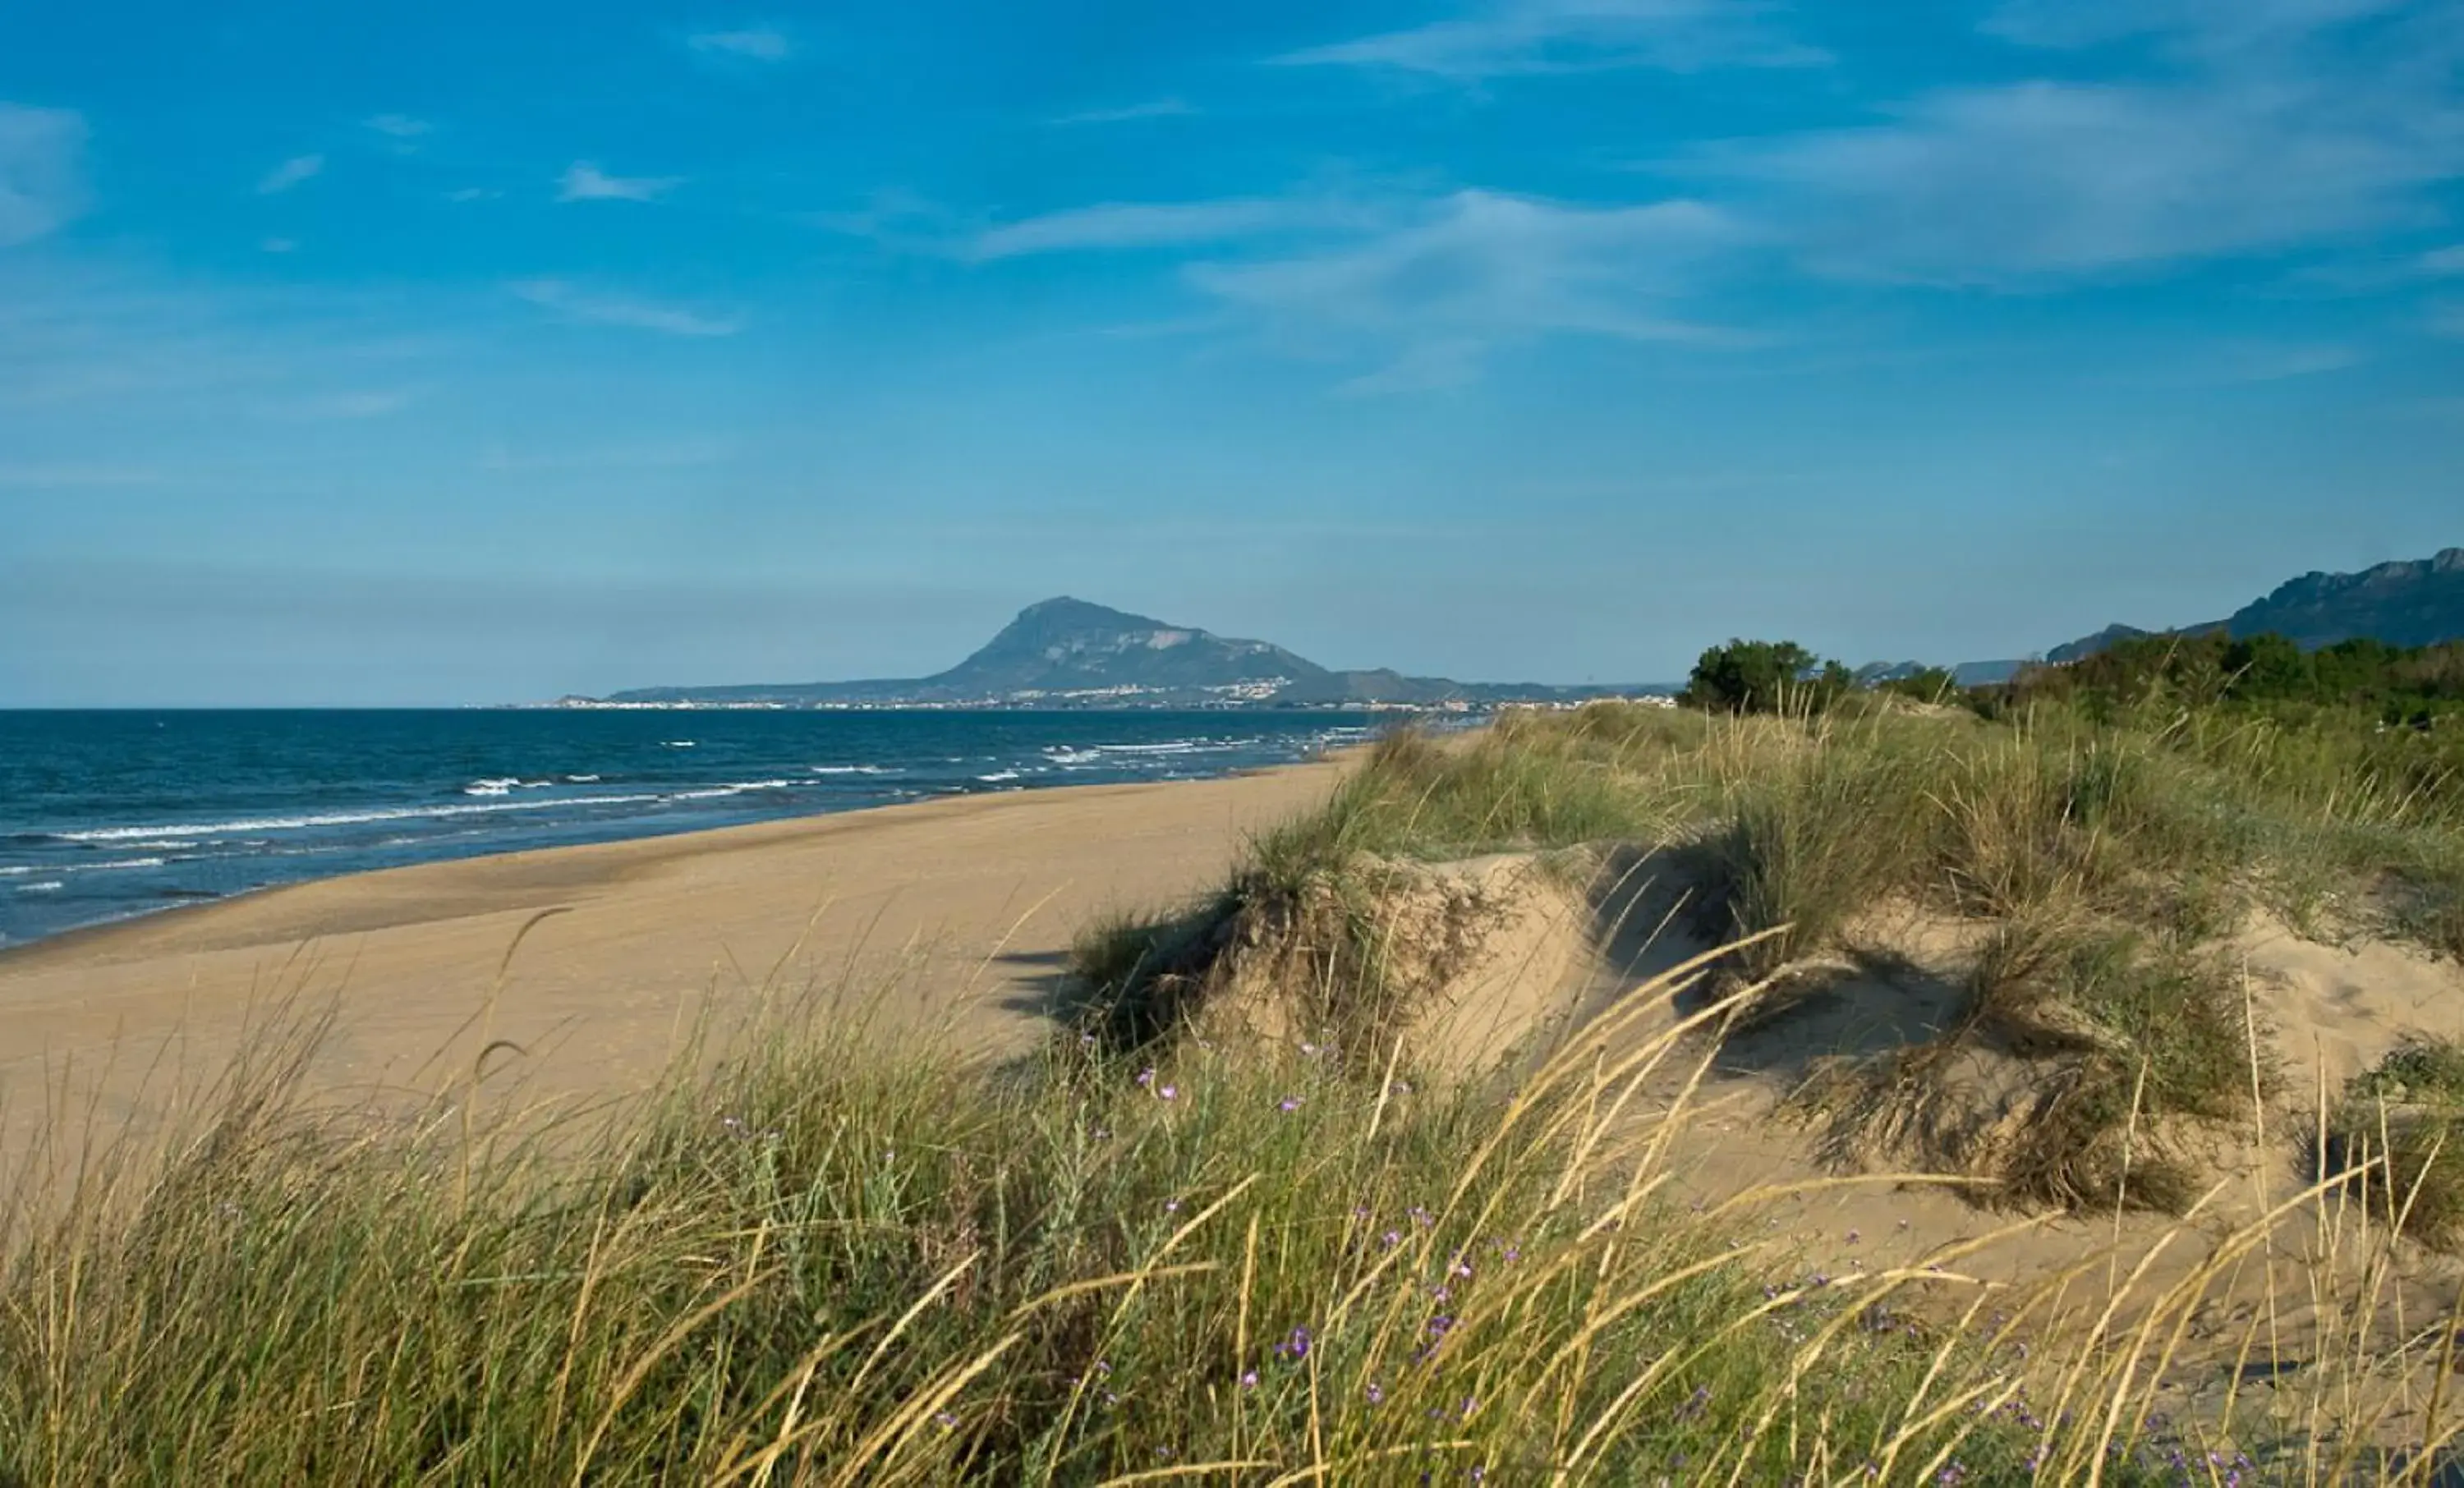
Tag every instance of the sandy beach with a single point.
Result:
(956, 911)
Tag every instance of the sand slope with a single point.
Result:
(958, 909)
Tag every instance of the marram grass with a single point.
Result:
(828, 1262)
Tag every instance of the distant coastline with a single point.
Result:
(113, 817)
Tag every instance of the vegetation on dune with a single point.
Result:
(2108, 837)
(1149, 1258)
(2398, 1131)
(825, 1263)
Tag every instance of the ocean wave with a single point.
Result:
(677, 743)
(123, 834)
(50, 886)
(850, 768)
(998, 776)
(506, 785)
(740, 788)
(582, 779)
(17, 870)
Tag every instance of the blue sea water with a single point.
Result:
(107, 815)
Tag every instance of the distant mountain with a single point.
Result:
(1068, 653)
(2088, 646)
(2404, 603)
(2416, 603)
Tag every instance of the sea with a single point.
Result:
(106, 815)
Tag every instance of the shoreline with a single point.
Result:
(953, 916)
(185, 907)
(574, 865)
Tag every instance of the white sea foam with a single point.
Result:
(677, 743)
(740, 788)
(848, 768)
(123, 834)
(503, 786)
(17, 870)
(49, 886)
(998, 776)
(582, 779)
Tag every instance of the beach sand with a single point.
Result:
(952, 915)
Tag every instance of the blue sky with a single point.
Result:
(445, 353)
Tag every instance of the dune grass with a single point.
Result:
(819, 1262)
(2108, 853)
(2398, 1130)
(1145, 1260)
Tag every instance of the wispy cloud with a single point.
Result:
(2041, 180)
(756, 43)
(2446, 320)
(399, 126)
(2200, 23)
(1507, 37)
(472, 194)
(599, 307)
(278, 246)
(88, 343)
(1124, 225)
(2442, 261)
(2278, 363)
(1156, 108)
(503, 459)
(290, 173)
(584, 181)
(42, 176)
(331, 407)
(1430, 301)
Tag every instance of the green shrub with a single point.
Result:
(2397, 1132)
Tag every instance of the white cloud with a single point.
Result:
(472, 194)
(279, 246)
(2043, 178)
(290, 173)
(1158, 108)
(1476, 272)
(2446, 320)
(399, 126)
(757, 43)
(1140, 225)
(597, 307)
(584, 181)
(2442, 261)
(1506, 38)
(42, 179)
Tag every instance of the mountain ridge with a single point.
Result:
(2405, 602)
(1067, 652)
